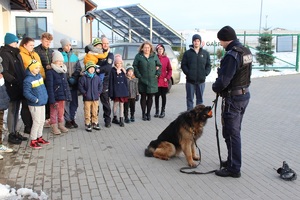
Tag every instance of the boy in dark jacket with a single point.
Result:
(35, 92)
(90, 86)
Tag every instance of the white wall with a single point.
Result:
(47, 14)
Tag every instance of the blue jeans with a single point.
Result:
(233, 109)
(71, 107)
(192, 89)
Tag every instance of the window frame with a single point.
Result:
(28, 29)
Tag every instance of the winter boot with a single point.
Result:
(156, 113)
(162, 114)
(127, 120)
(121, 121)
(144, 117)
(115, 120)
(132, 118)
(69, 125)
(55, 130)
(62, 128)
(148, 116)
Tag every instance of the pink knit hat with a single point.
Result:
(118, 58)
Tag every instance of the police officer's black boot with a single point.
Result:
(162, 114)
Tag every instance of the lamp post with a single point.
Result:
(261, 5)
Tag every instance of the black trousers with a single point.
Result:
(129, 105)
(26, 115)
(104, 98)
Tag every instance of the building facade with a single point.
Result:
(65, 19)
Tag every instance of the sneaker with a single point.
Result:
(42, 141)
(22, 138)
(47, 123)
(88, 128)
(225, 173)
(12, 138)
(96, 126)
(74, 124)
(5, 149)
(35, 145)
(69, 125)
(1, 157)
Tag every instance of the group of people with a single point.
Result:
(102, 76)
(43, 84)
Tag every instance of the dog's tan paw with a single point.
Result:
(196, 157)
(192, 164)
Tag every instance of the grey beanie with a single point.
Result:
(64, 42)
(57, 56)
(196, 36)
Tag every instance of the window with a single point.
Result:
(31, 26)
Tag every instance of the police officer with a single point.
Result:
(232, 84)
(105, 67)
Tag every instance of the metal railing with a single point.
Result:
(43, 4)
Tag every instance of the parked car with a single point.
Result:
(129, 51)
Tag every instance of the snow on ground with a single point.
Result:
(8, 193)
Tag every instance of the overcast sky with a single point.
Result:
(214, 14)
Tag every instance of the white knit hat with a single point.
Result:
(57, 56)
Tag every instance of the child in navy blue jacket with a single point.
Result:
(58, 92)
(35, 92)
(118, 90)
(90, 86)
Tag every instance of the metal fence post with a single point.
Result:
(298, 53)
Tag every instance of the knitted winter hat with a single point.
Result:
(159, 45)
(57, 56)
(226, 34)
(88, 65)
(64, 42)
(96, 41)
(33, 64)
(129, 68)
(196, 36)
(118, 58)
(10, 38)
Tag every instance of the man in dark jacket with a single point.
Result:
(232, 84)
(14, 74)
(196, 66)
(105, 66)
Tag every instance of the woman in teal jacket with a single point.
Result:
(147, 68)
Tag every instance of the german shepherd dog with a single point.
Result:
(181, 135)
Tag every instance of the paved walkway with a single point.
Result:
(110, 164)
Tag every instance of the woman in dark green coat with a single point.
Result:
(147, 68)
